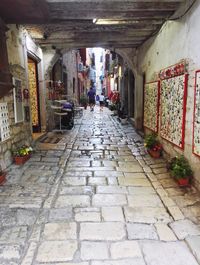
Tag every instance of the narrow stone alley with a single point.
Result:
(96, 198)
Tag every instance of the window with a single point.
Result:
(18, 103)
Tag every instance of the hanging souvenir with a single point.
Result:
(196, 125)
(173, 109)
(151, 105)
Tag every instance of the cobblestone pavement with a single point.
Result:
(96, 198)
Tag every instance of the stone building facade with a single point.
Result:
(19, 46)
(31, 67)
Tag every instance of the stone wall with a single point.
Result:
(70, 63)
(20, 132)
(176, 40)
(69, 67)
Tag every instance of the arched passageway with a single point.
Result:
(93, 196)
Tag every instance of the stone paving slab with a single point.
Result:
(97, 198)
(74, 190)
(194, 244)
(102, 231)
(144, 201)
(60, 231)
(147, 215)
(111, 189)
(184, 228)
(112, 214)
(125, 249)
(141, 231)
(120, 262)
(72, 201)
(10, 252)
(94, 250)
(136, 182)
(56, 251)
(159, 253)
(109, 200)
(165, 233)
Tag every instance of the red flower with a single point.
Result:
(157, 147)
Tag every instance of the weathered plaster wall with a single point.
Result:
(176, 40)
(70, 62)
(18, 44)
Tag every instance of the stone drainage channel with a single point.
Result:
(97, 198)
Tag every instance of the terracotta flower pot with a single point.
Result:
(184, 182)
(154, 154)
(2, 177)
(20, 160)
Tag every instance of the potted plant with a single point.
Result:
(22, 154)
(180, 169)
(83, 101)
(2, 176)
(122, 116)
(113, 107)
(154, 148)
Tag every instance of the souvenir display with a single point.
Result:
(173, 104)
(174, 70)
(33, 94)
(4, 122)
(151, 105)
(196, 132)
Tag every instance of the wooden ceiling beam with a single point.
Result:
(110, 14)
(114, 1)
(116, 6)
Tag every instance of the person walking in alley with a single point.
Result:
(101, 101)
(91, 96)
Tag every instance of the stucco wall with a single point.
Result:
(176, 40)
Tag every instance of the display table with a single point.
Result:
(60, 112)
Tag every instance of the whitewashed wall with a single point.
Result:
(176, 40)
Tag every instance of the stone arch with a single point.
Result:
(130, 59)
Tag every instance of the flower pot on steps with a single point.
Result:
(2, 177)
(20, 160)
(154, 154)
(183, 182)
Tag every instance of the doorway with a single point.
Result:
(131, 94)
(34, 95)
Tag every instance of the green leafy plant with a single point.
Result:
(180, 168)
(151, 142)
(83, 100)
(113, 107)
(23, 151)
